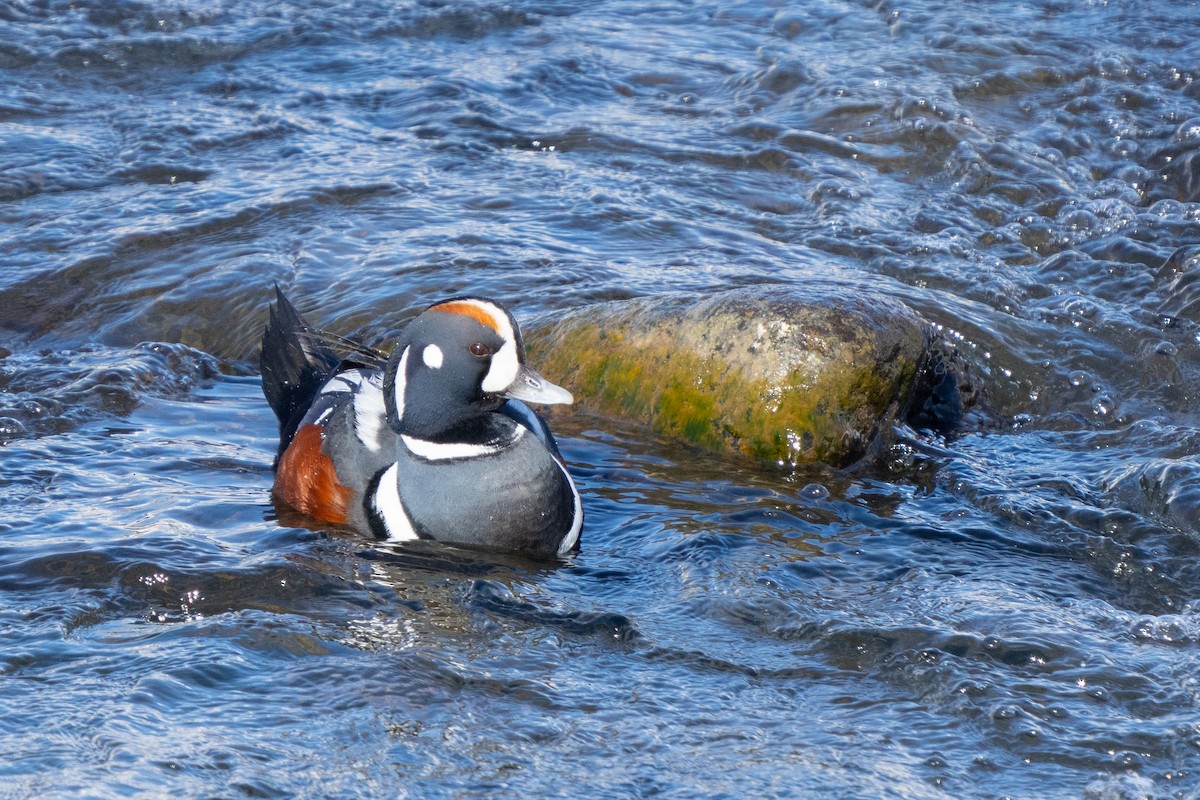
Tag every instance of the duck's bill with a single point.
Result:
(533, 388)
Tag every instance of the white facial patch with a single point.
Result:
(432, 356)
(506, 363)
(503, 371)
(401, 383)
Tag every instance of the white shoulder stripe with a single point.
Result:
(348, 381)
(387, 502)
(439, 451)
(370, 415)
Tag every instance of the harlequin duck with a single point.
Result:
(431, 442)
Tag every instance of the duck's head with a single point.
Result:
(459, 359)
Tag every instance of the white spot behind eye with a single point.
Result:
(432, 356)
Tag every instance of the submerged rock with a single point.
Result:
(776, 373)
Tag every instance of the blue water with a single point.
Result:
(1012, 612)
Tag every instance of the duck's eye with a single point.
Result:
(479, 349)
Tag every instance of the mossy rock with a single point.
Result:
(772, 372)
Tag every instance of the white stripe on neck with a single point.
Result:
(446, 451)
(401, 384)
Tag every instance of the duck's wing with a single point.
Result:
(293, 365)
(297, 360)
(359, 354)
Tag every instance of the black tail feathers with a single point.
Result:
(293, 365)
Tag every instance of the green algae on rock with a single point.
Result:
(771, 372)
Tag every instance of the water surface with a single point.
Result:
(1013, 612)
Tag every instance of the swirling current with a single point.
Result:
(1010, 612)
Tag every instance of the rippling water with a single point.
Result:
(1014, 612)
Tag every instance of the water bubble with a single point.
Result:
(1123, 148)
(1167, 629)
(1112, 67)
(1112, 525)
(11, 428)
(814, 491)
(1188, 131)
(1078, 377)
(929, 655)
(1006, 712)
(1081, 308)
(1168, 209)
(1168, 349)
(1079, 220)
(1127, 759)
(901, 457)
(1103, 406)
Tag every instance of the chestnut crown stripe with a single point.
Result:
(472, 309)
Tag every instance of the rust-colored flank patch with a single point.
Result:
(306, 480)
(473, 310)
